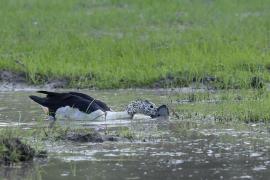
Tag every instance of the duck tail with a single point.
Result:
(48, 93)
(38, 100)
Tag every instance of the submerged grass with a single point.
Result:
(13, 148)
(118, 43)
(18, 144)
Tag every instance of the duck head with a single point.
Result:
(148, 108)
(142, 107)
(162, 112)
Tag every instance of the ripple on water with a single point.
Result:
(255, 154)
(204, 152)
(176, 161)
(246, 177)
(259, 168)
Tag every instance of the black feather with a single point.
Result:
(85, 96)
(83, 102)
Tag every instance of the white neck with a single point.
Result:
(117, 115)
(98, 115)
(123, 115)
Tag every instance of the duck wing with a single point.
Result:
(53, 101)
(85, 96)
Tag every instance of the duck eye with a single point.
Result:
(151, 106)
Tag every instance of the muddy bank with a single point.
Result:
(12, 77)
(93, 137)
(19, 81)
(10, 80)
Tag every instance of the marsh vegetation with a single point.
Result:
(118, 43)
(210, 134)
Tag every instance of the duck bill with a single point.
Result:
(163, 112)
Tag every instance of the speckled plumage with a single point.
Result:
(142, 107)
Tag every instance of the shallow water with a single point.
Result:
(199, 149)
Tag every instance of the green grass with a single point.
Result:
(127, 43)
(12, 148)
(235, 105)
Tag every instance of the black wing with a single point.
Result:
(53, 101)
(85, 96)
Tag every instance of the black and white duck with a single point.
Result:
(79, 106)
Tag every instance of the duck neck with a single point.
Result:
(118, 115)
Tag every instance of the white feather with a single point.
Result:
(98, 115)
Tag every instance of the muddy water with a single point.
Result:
(175, 149)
